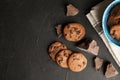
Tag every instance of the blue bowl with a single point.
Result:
(105, 25)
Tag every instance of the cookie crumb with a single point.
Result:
(71, 10)
(111, 71)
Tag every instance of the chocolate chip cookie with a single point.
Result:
(115, 32)
(74, 32)
(114, 17)
(62, 58)
(54, 48)
(77, 62)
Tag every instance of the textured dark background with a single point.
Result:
(26, 30)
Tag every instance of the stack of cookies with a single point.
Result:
(64, 57)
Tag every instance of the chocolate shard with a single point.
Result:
(111, 71)
(71, 10)
(84, 44)
(93, 47)
(59, 30)
(89, 46)
(98, 63)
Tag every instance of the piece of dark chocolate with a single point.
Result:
(89, 46)
(93, 47)
(84, 44)
(71, 10)
(111, 71)
(98, 63)
(59, 30)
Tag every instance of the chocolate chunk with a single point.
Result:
(84, 44)
(65, 34)
(93, 47)
(75, 28)
(111, 71)
(68, 26)
(84, 63)
(60, 60)
(89, 46)
(59, 30)
(71, 31)
(71, 10)
(66, 55)
(119, 21)
(56, 47)
(79, 65)
(98, 63)
(78, 32)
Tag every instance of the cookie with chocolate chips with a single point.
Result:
(77, 62)
(114, 16)
(74, 32)
(62, 58)
(115, 32)
(54, 48)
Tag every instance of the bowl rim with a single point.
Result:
(104, 23)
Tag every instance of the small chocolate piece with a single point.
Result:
(71, 10)
(89, 46)
(93, 47)
(98, 63)
(111, 71)
(84, 44)
(59, 30)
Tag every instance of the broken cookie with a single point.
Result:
(98, 63)
(71, 10)
(89, 46)
(110, 71)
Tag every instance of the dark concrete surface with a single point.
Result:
(26, 30)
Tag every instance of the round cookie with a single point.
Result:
(62, 58)
(54, 48)
(114, 16)
(113, 20)
(74, 32)
(77, 62)
(115, 32)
